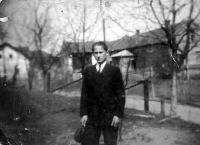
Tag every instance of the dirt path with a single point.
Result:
(136, 130)
(188, 113)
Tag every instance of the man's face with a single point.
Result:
(99, 54)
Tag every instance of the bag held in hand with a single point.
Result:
(78, 136)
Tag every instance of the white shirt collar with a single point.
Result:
(102, 66)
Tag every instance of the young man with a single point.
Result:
(102, 99)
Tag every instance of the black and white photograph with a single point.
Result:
(99, 72)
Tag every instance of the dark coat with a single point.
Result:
(103, 95)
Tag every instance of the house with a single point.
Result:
(125, 61)
(16, 64)
(142, 52)
(13, 64)
(150, 50)
(147, 54)
(138, 52)
(72, 54)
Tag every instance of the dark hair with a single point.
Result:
(100, 43)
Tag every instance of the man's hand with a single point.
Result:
(115, 121)
(84, 120)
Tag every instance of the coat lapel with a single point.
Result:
(105, 69)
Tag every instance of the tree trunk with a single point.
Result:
(173, 107)
(48, 82)
(14, 77)
(187, 69)
(4, 68)
(30, 75)
(45, 82)
(30, 80)
(127, 65)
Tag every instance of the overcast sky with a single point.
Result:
(114, 9)
(125, 11)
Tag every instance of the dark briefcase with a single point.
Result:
(78, 136)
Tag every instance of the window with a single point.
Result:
(0, 56)
(198, 55)
(116, 61)
(133, 63)
(11, 56)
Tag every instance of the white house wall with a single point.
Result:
(13, 59)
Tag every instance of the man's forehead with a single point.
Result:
(99, 48)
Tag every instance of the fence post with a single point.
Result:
(146, 95)
(152, 83)
(162, 102)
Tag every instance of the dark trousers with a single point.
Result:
(92, 135)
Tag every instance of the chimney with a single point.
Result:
(137, 32)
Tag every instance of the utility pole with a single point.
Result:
(83, 48)
(103, 22)
(104, 30)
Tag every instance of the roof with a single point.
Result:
(22, 50)
(125, 42)
(156, 36)
(122, 53)
(138, 40)
(40, 56)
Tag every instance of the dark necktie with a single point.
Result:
(99, 71)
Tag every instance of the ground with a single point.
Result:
(37, 118)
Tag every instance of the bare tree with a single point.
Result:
(181, 37)
(79, 27)
(178, 31)
(34, 29)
